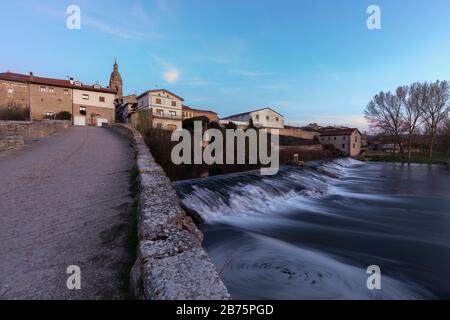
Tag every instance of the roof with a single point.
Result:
(30, 78)
(247, 113)
(338, 132)
(158, 90)
(199, 110)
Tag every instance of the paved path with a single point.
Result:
(63, 201)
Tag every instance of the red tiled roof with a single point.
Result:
(199, 110)
(338, 132)
(17, 77)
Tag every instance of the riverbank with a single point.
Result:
(438, 158)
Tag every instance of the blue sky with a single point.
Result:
(312, 60)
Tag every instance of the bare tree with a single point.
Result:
(436, 110)
(384, 114)
(415, 99)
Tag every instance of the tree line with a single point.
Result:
(417, 109)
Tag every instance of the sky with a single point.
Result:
(311, 60)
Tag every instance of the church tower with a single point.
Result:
(115, 82)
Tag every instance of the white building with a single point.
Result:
(347, 140)
(166, 108)
(265, 118)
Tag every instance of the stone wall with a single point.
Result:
(299, 133)
(171, 263)
(13, 134)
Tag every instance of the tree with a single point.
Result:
(436, 110)
(415, 99)
(384, 114)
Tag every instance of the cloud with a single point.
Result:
(249, 74)
(171, 76)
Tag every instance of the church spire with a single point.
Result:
(115, 81)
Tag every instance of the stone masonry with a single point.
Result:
(171, 264)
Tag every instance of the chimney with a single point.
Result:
(31, 75)
(71, 81)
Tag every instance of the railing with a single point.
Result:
(166, 116)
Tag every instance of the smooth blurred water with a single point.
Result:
(311, 233)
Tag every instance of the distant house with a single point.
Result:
(165, 108)
(189, 112)
(347, 140)
(262, 118)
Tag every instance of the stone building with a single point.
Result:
(189, 112)
(165, 108)
(265, 118)
(46, 97)
(115, 80)
(347, 140)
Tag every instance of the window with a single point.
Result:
(356, 139)
(43, 89)
(277, 119)
(78, 83)
(49, 115)
(257, 117)
(59, 101)
(85, 97)
(343, 146)
(174, 103)
(159, 125)
(173, 114)
(83, 111)
(329, 139)
(160, 112)
(267, 118)
(344, 138)
(354, 146)
(335, 138)
(10, 90)
(101, 99)
(51, 90)
(66, 92)
(158, 101)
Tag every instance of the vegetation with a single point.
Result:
(131, 238)
(421, 108)
(14, 112)
(63, 115)
(438, 158)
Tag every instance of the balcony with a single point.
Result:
(165, 115)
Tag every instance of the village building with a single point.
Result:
(265, 118)
(347, 140)
(47, 97)
(165, 108)
(189, 113)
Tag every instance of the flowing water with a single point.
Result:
(312, 233)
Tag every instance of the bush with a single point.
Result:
(189, 123)
(63, 115)
(13, 112)
(231, 125)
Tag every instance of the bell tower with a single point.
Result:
(115, 81)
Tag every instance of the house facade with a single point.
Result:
(189, 113)
(166, 108)
(347, 140)
(265, 118)
(46, 97)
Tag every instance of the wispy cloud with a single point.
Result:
(89, 21)
(249, 73)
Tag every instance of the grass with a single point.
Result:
(438, 158)
(131, 239)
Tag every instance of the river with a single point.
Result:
(312, 233)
